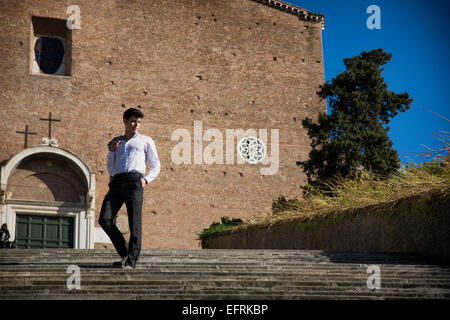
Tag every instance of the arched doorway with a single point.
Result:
(48, 199)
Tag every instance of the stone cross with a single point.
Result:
(50, 124)
(26, 133)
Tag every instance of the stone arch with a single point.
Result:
(50, 182)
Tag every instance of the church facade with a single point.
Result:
(223, 85)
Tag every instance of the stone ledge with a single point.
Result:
(418, 224)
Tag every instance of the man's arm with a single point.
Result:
(151, 156)
(111, 158)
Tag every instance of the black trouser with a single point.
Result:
(124, 188)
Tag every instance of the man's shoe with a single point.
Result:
(121, 263)
(129, 265)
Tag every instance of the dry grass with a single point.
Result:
(370, 189)
(367, 191)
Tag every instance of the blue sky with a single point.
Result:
(415, 32)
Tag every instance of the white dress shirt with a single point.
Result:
(132, 156)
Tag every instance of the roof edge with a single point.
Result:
(303, 14)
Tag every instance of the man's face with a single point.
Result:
(132, 124)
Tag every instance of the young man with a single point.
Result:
(126, 163)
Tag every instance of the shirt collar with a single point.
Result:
(134, 136)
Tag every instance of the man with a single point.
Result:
(126, 163)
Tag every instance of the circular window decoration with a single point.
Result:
(121, 222)
(251, 149)
(49, 53)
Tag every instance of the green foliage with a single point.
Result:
(216, 227)
(282, 205)
(354, 136)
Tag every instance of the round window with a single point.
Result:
(251, 149)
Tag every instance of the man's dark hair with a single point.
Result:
(132, 112)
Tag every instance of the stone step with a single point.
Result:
(251, 276)
(206, 297)
(240, 261)
(221, 274)
(217, 265)
(26, 253)
(147, 262)
(218, 285)
(158, 278)
(267, 288)
(99, 269)
(284, 254)
(219, 294)
(218, 269)
(236, 284)
(247, 258)
(262, 276)
(107, 263)
(351, 290)
(55, 267)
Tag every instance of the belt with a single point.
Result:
(125, 175)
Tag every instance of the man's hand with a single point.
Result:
(114, 144)
(144, 182)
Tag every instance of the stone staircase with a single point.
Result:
(220, 274)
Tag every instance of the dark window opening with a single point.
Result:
(51, 46)
(49, 54)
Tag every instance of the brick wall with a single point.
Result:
(46, 178)
(230, 64)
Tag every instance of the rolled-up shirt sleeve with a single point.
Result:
(151, 156)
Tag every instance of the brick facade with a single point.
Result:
(229, 64)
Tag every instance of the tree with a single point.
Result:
(354, 135)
